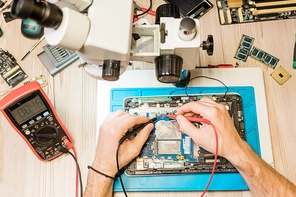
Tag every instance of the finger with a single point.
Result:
(206, 99)
(117, 114)
(187, 127)
(142, 137)
(108, 117)
(131, 121)
(193, 107)
(120, 118)
(191, 114)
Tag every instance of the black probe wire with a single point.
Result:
(145, 11)
(227, 89)
(79, 173)
(119, 175)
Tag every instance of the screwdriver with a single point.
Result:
(35, 45)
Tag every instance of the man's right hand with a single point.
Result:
(228, 139)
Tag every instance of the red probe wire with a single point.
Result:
(193, 119)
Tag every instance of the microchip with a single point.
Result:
(273, 61)
(246, 44)
(267, 58)
(241, 56)
(260, 54)
(248, 39)
(255, 52)
(244, 51)
(281, 75)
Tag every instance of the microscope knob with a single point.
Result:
(208, 45)
(168, 68)
(111, 70)
(166, 10)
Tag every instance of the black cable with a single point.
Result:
(79, 174)
(227, 89)
(119, 170)
(145, 11)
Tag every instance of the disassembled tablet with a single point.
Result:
(167, 150)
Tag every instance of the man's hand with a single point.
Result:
(111, 131)
(228, 138)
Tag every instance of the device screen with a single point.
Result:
(28, 110)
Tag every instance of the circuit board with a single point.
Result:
(169, 151)
(246, 11)
(264, 57)
(41, 80)
(10, 71)
(244, 48)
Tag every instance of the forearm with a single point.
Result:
(262, 179)
(98, 185)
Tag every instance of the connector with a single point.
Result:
(62, 149)
(68, 143)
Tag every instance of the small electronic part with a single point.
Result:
(244, 48)
(169, 151)
(7, 17)
(10, 71)
(281, 75)
(41, 80)
(55, 59)
(264, 57)
(246, 11)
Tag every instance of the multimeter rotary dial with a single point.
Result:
(46, 135)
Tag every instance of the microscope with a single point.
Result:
(104, 37)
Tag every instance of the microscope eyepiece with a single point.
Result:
(44, 13)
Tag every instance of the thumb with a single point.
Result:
(142, 136)
(187, 127)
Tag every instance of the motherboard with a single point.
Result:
(168, 150)
(10, 70)
(246, 11)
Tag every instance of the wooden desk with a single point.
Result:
(73, 94)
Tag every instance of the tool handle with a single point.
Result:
(132, 131)
(192, 119)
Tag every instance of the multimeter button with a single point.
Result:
(32, 122)
(45, 113)
(24, 126)
(46, 153)
(28, 132)
(38, 117)
(51, 150)
(42, 154)
(50, 118)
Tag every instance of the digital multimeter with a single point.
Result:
(32, 115)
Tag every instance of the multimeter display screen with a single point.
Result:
(28, 110)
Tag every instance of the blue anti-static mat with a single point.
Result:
(190, 182)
